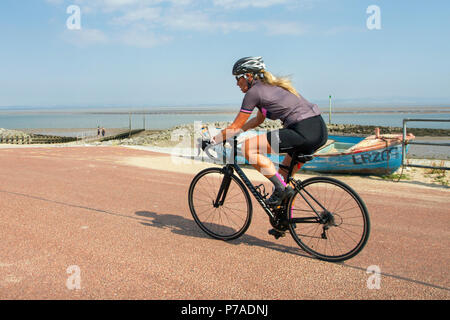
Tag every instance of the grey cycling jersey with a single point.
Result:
(277, 103)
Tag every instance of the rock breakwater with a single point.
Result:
(171, 137)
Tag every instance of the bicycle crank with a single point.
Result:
(279, 223)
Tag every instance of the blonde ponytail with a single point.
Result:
(282, 82)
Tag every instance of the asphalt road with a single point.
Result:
(105, 223)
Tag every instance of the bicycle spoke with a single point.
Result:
(223, 221)
(231, 220)
(343, 228)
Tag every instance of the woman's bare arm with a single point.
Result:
(240, 124)
(254, 122)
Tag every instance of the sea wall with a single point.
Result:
(19, 137)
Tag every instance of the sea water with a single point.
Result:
(32, 119)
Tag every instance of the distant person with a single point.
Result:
(98, 131)
(103, 132)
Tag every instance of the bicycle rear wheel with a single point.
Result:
(228, 220)
(340, 228)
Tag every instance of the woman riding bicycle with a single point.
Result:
(303, 127)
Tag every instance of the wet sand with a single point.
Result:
(72, 132)
(430, 152)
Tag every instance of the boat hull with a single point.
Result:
(373, 155)
(382, 161)
(376, 159)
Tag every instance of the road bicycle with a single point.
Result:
(325, 216)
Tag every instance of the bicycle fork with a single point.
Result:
(224, 186)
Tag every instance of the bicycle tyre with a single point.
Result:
(351, 220)
(202, 193)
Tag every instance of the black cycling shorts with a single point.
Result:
(305, 136)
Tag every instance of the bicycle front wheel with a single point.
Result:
(328, 219)
(227, 218)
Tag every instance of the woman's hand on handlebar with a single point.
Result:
(205, 144)
(208, 142)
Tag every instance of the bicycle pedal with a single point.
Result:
(277, 234)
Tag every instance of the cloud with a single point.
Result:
(85, 37)
(145, 14)
(111, 6)
(55, 2)
(179, 19)
(232, 4)
(201, 22)
(108, 4)
(343, 29)
(124, 5)
(142, 38)
(148, 23)
(285, 28)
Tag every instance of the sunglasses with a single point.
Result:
(240, 76)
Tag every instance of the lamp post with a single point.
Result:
(329, 115)
(129, 117)
(143, 119)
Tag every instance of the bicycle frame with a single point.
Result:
(336, 225)
(228, 170)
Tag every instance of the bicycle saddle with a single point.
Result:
(303, 158)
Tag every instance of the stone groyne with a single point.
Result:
(8, 136)
(18, 137)
(164, 137)
(14, 137)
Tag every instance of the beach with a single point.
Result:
(72, 132)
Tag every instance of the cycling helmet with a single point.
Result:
(248, 65)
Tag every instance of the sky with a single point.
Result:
(147, 53)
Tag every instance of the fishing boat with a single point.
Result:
(378, 154)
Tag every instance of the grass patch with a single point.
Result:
(436, 170)
(438, 175)
(396, 176)
(442, 180)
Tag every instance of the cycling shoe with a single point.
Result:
(277, 197)
(277, 233)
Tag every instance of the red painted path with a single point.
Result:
(129, 231)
